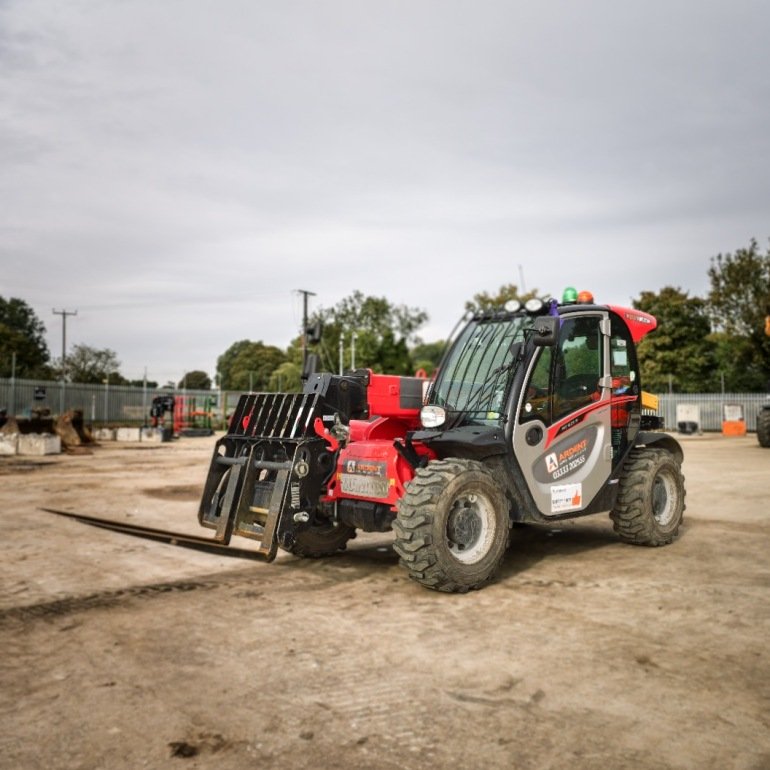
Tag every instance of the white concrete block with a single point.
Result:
(152, 434)
(104, 434)
(129, 434)
(8, 443)
(39, 444)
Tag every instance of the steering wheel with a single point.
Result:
(579, 386)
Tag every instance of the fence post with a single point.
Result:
(13, 384)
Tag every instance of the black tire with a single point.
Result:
(321, 540)
(650, 504)
(453, 526)
(763, 427)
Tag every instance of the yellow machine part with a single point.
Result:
(649, 401)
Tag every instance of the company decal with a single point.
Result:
(640, 319)
(566, 497)
(565, 457)
(365, 478)
(365, 467)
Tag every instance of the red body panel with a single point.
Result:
(376, 459)
(370, 461)
(384, 397)
(638, 322)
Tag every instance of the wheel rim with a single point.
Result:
(470, 528)
(663, 499)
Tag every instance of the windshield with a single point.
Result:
(472, 382)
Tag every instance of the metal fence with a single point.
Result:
(124, 405)
(711, 407)
(100, 404)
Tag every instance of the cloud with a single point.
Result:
(177, 170)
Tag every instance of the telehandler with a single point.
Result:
(535, 414)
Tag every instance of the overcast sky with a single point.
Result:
(175, 170)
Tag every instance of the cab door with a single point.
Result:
(562, 434)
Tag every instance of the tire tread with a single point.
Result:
(413, 527)
(632, 516)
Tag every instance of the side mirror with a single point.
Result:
(545, 331)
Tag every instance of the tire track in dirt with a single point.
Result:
(69, 605)
(248, 582)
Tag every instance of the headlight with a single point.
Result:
(533, 305)
(432, 416)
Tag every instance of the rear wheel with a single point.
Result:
(453, 526)
(321, 540)
(650, 504)
(763, 427)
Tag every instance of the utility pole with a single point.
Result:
(63, 314)
(305, 294)
(144, 398)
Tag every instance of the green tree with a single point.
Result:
(507, 291)
(426, 355)
(680, 350)
(287, 378)
(739, 302)
(735, 366)
(22, 333)
(151, 384)
(382, 333)
(248, 365)
(91, 365)
(195, 380)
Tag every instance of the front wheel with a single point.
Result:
(323, 539)
(453, 527)
(650, 503)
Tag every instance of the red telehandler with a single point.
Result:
(536, 414)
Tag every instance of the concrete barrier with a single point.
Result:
(104, 434)
(129, 434)
(154, 435)
(8, 443)
(38, 444)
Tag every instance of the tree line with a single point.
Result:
(702, 344)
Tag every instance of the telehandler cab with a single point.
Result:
(535, 414)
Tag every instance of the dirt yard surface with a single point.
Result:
(123, 653)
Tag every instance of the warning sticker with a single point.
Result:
(566, 497)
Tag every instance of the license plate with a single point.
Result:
(364, 486)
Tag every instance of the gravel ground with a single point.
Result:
(121, 652)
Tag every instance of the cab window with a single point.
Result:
(537, 403)
(624, 371)
(566, 377)
(623, 365)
